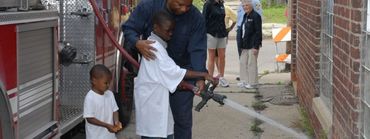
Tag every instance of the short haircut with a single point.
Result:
(98, 71)
(161, 16)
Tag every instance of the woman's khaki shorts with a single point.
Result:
(214, 43)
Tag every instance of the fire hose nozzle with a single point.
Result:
(208, 94)
(219, 98)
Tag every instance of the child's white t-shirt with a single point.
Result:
(100, 107)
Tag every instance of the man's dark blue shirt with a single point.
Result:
(188, 45)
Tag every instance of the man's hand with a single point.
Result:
(145, 49)
(211, 79)
(201, 85)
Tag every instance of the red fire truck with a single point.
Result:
(47, 48)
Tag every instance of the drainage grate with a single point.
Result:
(281, 100)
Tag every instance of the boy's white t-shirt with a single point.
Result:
(100, 107)
(156, 78)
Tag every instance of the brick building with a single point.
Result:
(331, 65)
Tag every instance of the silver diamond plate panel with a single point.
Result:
(51, 4)
(8, 3)
(80, 33)
(16, 17)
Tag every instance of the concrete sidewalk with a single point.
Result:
(215, 122)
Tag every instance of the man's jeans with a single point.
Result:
(181, 103)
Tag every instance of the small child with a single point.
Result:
(156, 78)
(100, 107)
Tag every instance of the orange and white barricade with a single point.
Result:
(281, 34)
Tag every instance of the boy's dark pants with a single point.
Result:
(181, 105)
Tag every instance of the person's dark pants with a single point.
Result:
(238, 39)
(238, 42)
(181, 103)
(168, 137)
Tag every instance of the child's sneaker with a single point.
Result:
(223, 82)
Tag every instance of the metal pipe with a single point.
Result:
(110, 35)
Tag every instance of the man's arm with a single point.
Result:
(197, 74)
(197, 48)
(134, 27)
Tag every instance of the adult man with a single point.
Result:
(188, 48)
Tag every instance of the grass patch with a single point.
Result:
(256, 129)
(258, 106)
(304, 123)
(258, 96)
(274, 15)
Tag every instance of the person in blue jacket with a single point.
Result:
(187, 47)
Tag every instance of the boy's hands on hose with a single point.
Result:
(200, 86)
(211, 79)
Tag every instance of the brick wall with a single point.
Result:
(307, 59)
(346, 57)
(306, 29)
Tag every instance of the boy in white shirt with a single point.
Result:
(156, 78)
(100, 107)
